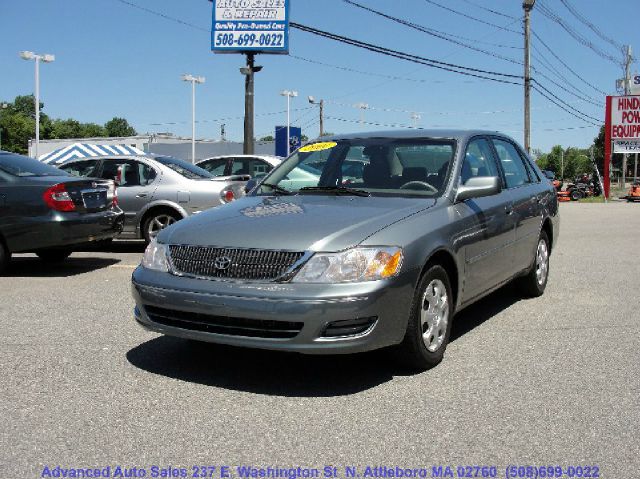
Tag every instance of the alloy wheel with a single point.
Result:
(434, 315)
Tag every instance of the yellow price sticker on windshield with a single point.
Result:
(326, 145)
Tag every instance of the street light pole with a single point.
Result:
(2, 106)
(289, 94)
(47, 58)
(193, 80)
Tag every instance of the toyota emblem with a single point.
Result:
(222, 263)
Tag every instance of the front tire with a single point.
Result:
(53, 255)
(576, 194)
(535, 282)
(429, 325)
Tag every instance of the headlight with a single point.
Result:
(155, 257)
(356, 264)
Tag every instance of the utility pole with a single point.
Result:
(527, 5)
(561, 165)
(313, 101)
(363, 106)
(415, 118)
(248, 72)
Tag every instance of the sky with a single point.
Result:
(114, 58)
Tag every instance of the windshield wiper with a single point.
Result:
(278, 189)
(340, 190)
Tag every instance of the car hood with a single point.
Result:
(296, 223)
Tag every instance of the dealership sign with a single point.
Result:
(250, 26)
(625, 117)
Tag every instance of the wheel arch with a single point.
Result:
(154, 207)
(547, 227)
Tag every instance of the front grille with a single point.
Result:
(252, 264)
(252, 328)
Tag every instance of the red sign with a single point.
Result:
(622, 122)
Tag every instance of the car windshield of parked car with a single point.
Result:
(373, 166)
(22, 166)
(187, 170)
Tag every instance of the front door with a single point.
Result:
(136, 181)
(488, 229)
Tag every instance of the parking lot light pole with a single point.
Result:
(289, 94)
(363, 107)
(193, 80)
(46, 58)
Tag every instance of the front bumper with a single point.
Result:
(313, 306)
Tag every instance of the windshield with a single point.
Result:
(377, 166)
(22, 166)
(187, 170)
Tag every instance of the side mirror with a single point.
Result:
(479, 187)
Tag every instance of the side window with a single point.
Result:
(259, 168)
(241, 166)
(512, 163)
(147, 174)
(478, 161)
(216, 167)
(80, 168)
(128, 172)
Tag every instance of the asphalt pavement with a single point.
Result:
(547, 381)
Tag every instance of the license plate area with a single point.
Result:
(94, 199)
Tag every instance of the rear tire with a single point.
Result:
(5, 257)
(535, 282)
(53, 255)
(429, 324)
(156, 221)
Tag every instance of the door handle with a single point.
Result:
(141, 195)
(508, 209)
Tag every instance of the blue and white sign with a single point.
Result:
(250, 26)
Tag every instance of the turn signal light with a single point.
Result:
(57, 198)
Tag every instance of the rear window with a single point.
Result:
(23, 166)
(187, 170)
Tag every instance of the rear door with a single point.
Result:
(137, 182)
(488, 227)
(525, 190)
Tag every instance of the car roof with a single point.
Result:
(272, 159)
(452, 134)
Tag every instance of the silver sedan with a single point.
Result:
(156, 191)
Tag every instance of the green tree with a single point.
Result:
(598, 149)
(267, 138)
(92, 130)
(119, 127)
(68, 128)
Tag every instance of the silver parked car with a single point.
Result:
(357, 258)
(156, 191)
(248, 166)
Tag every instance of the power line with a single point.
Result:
(429, 31)
(473, 18)
(539, 90)
(547, 12)
(489, 10)
(590, 25)
(451, 67)
(564, 64)
(162, 15)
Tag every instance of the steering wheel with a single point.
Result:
(426, 186)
